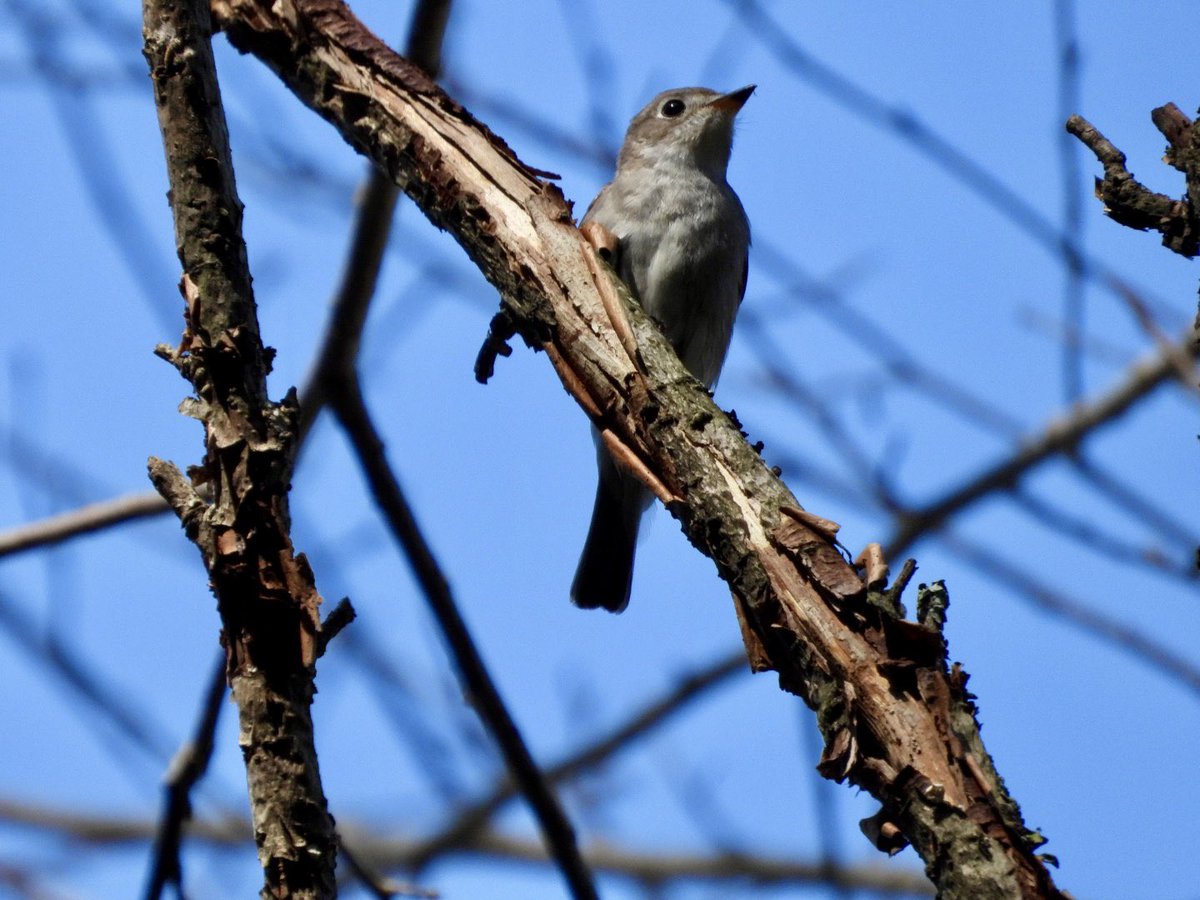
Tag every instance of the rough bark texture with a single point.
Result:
(265, 592)
(897, 721)
(1128, 201)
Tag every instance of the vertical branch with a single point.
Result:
(265, 592)
(1072, 227)
(187, 768)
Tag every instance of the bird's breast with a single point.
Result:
(683, 244)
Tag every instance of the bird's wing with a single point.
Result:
(599, 234)
(597, 205)
(745, 275)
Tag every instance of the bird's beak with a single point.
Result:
(734, 100)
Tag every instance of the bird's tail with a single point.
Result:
(605, 572)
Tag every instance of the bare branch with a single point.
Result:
(380, 887)
(647, 870)
(1128, 201)
(343, 614)
(265, 592)
(556, 827)
(1061, 438)
(84, 520)
(187, 768)
(474, 819)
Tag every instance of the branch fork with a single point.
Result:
(1129, 202)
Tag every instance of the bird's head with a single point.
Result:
(690, 127)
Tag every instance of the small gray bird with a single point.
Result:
(683, 244)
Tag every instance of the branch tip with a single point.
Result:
(341, 616)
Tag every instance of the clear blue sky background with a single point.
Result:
(1097, 745)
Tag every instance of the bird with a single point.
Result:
(682, 249)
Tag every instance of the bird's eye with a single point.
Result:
(673, 108)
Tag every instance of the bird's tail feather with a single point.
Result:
(605, 572)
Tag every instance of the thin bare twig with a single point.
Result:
(378, 886)
(1060, 438)
(474, 819)
(340, 617)
(1044, 597)
(84, 520)
(646, 870)
(1129, 202)
(187, 768)
(557, 831)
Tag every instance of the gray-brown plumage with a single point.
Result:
(683, 240)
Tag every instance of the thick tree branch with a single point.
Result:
(896, 721)
(265, 592)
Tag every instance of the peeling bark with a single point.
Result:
(234, 506)
(897, 720)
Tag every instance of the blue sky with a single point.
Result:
(1093, 741)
